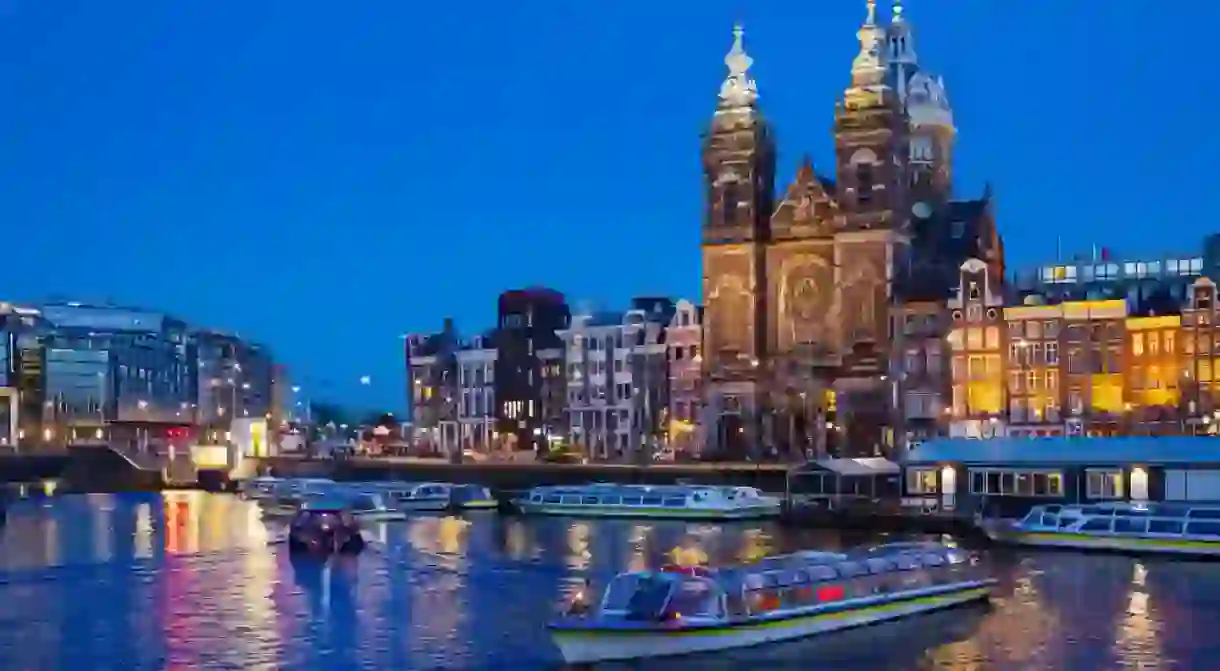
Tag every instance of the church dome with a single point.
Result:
(927, 102)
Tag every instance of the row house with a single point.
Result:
(432, 382)
(617, 382)
(476, 398)
(1094, 367)
(683, 342)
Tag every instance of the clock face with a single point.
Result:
(921, 210)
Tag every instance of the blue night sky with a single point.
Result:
(324, 176)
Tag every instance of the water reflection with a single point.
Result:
(190, 580)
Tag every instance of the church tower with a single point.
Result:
(930, 119)
(871, 149)
(739, 171)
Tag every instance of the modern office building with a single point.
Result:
(527, 322)
(235, 379)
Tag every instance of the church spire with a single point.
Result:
(738, 89)
(898, 9)
(868, 69)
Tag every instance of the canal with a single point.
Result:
(189, 580)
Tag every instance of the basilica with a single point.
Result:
(800, 286)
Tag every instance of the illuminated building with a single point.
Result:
(684, 344)
(476, 399)
(527, 321)
(799, 293)
(432, 383)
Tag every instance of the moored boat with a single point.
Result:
(663, 501)
(678, 611)
(472, 497)
(288, 495)
(260, 488)
(423, 497)
(1154, 528)
(373, 507)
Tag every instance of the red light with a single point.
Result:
(831, 593)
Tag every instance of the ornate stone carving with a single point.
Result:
(727, 318)
(806, 301)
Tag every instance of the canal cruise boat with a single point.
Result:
(696, 502)
(1157, 528)
(685, 610)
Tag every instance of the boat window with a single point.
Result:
(1137, 512)
(1201, 528)
(590, 500)
(651, 500)
(822, 573)
(832, 592)
(1050, 520)
(695, 597)
(675, 502)
(762, 600)
(1204, 514)
(851, 569)
(571, 500)
(907, 562)
(631, 500)
(933, 559)
(611, 500)
(648, 600)
(879, 565)
(364, 503)
(783, 578)
(536, 498)
(1130, 525)
(554, 499)
(1097, 524)
(1088, 510)
(1165, 527)
(1053, 508)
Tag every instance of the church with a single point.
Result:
(801, 288)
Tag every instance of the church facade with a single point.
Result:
(801, 289)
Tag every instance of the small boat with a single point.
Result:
(325, 527)
(472, 497)
(288, 495)
(424, 497)
(699, 502)
(260, 488)
(685, 610)
(372, 507)
(1164, 528)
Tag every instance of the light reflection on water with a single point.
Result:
(189, 580)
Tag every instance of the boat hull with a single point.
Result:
(380, 516)
(715, 514)
(422, 505)
(593, 645)
(1103, 543)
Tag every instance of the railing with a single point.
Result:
(143, 461)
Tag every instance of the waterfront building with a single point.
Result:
(476, 415)
(527, 322)
(799, 294)
(236, 380)
(683, 344)
(554, 395)
(1010, 475)
(432, 386)
(617, 380)
(144, 360)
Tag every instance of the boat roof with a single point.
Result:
(1074, 450)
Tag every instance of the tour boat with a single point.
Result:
(325, 527)
(260, 488)
(472, 497)
(423, 497)
(288, 494)
(372, 507)
(685, 610)
(664, 501)
(1166, 528)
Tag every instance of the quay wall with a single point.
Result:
(33, 467)
(514, 477)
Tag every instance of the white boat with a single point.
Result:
(288, 494)
(700, 502)
(1162, 528)
(371, 507)
(679, 611)
(423, 497)
(260, 488)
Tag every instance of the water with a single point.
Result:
(189, 581)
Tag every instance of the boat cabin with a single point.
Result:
(1155, 520)
(664, 595)
(1005, 477)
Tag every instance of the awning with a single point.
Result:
(863, 466)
